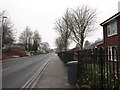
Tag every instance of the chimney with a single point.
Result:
(119, 6)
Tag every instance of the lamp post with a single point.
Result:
(1, 35)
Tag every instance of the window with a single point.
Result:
(112, 53)
(112, 28)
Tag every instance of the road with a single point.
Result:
(16, 72)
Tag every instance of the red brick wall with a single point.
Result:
(118, 27)
(112, 40)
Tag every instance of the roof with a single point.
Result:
(75, 49)
(94, 45)
(110, 19)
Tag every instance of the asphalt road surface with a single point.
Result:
(16, 72)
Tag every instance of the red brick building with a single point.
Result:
(111, 41)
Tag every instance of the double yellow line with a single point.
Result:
(29, 83)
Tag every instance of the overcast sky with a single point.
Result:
(41, 15)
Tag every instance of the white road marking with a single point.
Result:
(31, 80)
(9, 68)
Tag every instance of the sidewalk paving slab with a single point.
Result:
(55, 75)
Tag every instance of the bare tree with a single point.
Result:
(76, 24)
(62, 27)
(84, 20)
(45, 46)
(36, 40)
(26, 38)
(7, 26)
(37, 37)
(59, 44)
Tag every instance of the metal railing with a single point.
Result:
(96, 71)
(66, 56)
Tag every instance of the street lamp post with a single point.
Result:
(1, 35)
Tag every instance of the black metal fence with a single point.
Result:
(96, 71)
(66, 56)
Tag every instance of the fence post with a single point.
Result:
(118, 72)
(101, 67)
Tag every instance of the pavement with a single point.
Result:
(55, 75)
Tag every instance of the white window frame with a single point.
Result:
(110, 28)
(110, 53)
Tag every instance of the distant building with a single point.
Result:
(94, 45)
